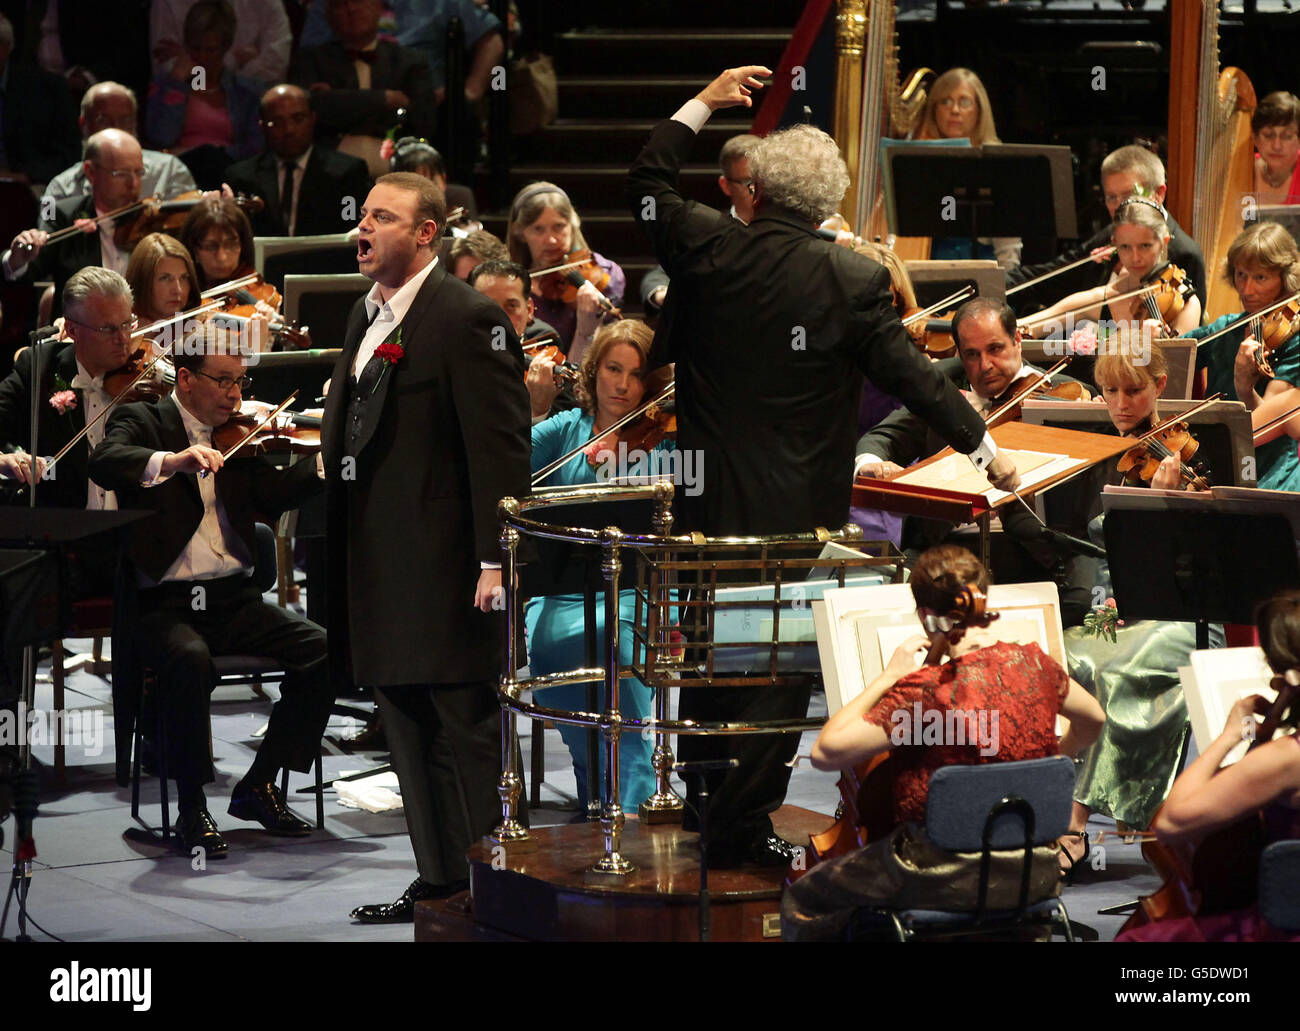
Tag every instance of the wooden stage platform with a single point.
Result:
(547, 894)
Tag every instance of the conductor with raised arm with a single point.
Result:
(772, 329)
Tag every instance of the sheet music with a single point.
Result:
(955, 473)
(1213, 683)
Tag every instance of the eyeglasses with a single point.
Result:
(960, 103)
(1278, 135)
(128, 327)
(215, 248)
(123, 174)
(224, 383)
(746, 183)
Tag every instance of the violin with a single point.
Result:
(565, 370)
(1142, 462)
(152, 215)
(1028, 388)
(657, 424)
(932, 335)
(140, 378)
(1174, 289)
(1273, 330)
(252, 434)
(562, 282)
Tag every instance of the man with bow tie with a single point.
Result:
(361, 85)
(193, 561)
(97, 304)
(425, 430)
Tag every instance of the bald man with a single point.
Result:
(110, 105)
(114, 167)
(309, 189)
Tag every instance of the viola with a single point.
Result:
(563, 282)
(1141, 463)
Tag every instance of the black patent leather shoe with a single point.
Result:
(403, 910)
(197, 829)
(263, 803)
(772, 850)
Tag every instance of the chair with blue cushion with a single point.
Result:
(1279, 885)
(992, 807)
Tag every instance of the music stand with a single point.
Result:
(989, 191)
(1192, 562)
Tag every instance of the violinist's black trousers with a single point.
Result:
(179, 631)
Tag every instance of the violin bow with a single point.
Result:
(1105, 252)
(1033, 321)
(73, 230)
(1273, 422)
(1258, 315)
(953, 298)
(229, 287)
(563, 460)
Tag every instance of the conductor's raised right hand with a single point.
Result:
(1002, 472)
(197, 458)
(732, 88)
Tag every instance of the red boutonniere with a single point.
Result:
(63, 401)
(390, 353)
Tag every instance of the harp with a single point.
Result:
(1211, 168)
(871, 101)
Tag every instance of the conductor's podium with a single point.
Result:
(729, 612)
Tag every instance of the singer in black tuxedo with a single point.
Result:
(426, 428)
(771, 329)
(192, 559)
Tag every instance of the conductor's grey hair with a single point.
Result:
(800, 169)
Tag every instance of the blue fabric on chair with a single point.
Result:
(961, 797)
(1279, 885)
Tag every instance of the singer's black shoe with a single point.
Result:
(403, 910)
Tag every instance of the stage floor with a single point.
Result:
(99, 877)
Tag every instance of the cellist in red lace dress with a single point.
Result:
(1008, 695)
(1266, 780)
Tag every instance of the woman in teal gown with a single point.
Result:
(1263, 263)
(611, 383)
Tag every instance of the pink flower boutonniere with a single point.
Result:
(596, 451)
(63, 401)
(1083, 341)
(390, 352)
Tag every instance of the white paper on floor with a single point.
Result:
(377, 794)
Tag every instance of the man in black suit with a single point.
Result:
(771, 329)
(193, 560)
(359, 82)
(990, 365)
(114, 166)
(1126, 172)
(97, 303)
(309, 190)
(425, 429)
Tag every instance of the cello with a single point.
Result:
(866, 809)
